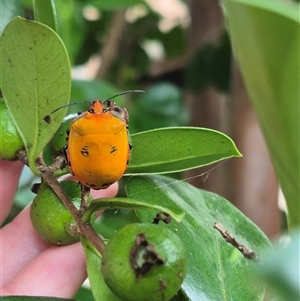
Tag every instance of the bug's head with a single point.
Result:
(107, 105)
(97, 107)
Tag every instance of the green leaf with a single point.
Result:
(216, 270)
(111, 221)
(278, 267)
(269, 61)
(45, 12)
(99, 288)
(36, 80)
(179, 148)
(110, 203)
(33, 298)
(9, 9)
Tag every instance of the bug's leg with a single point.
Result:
(128, 157)
(85, 192)
(65, 154)
(129, 145)
(65, 148)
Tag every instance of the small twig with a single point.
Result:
(85, 192)
(58, 163)
(22, 156)
(247, 253)
(39, 162)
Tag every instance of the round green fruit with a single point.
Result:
(10, 140)
(144, 262)
(49, 216)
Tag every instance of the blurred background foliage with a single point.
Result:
(179, 52)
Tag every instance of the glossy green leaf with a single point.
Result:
(9, 9)
(45, 12)
(93, 261)
(111, 221)
(32, 298)
(110, 203)
(36, 80)
(179, 148)
(265, 37)
(216, 270)
(279, 267)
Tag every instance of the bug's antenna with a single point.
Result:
(125, 92)
(80, 102)
(68, 105)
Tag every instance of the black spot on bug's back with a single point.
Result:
(85, 151)
(113, 149)
(91, 185)
(105, 185)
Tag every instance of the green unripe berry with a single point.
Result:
(144, 262)
(10, 140)
(50, 217)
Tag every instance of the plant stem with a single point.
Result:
(85, 192)
(247, 253)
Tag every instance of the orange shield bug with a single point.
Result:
(98, 149)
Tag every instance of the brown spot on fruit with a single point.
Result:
(143, 256)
